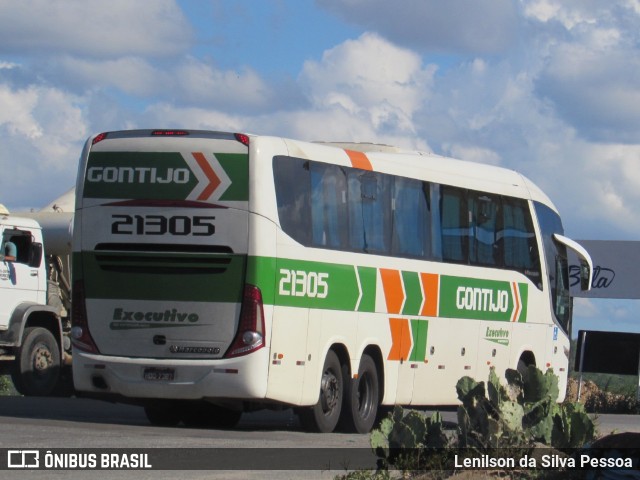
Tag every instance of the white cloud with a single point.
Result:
(371, 77)
(16, 115)
(596, 91)
(201, 83)
(93, 28)
(42, 131)
(473, 154)
(130, 75)
(170, 116)
(480, 26)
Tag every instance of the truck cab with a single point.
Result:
(31, 337)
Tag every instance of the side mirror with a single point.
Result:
(586, 265)
(35, 255)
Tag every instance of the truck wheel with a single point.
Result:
(362, 398)
(324, 415)
(37, 366)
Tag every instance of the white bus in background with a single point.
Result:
(216, 273)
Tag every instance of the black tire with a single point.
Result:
(207, 415)
(36, 370)
(362, 399)
(163, 413)
(324, 415)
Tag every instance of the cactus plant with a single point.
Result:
(524, 409)
(515, 414)
(403, 439)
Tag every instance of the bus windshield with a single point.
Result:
(557, 264)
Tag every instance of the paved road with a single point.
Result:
(72, 423)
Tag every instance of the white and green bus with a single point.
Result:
(216, 273)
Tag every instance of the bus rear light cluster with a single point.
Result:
(242, 138)
(80, 336)
(99, 138)
(251, 328)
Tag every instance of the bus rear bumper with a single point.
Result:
(236, 378)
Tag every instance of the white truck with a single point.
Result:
(34, 302)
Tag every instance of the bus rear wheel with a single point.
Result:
(362, 398)
(324, 415)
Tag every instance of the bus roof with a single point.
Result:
(425, 166)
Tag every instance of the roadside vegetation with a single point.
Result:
(494, 420)
(6, 386)
(605, 393)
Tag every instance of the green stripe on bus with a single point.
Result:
(419, 330)
(368, 284)
(479, 299)
(413, 293)
(308, 284)
(236, 166)
(524, 301)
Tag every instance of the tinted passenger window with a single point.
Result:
(484, 211)
(411, 218)
(329, 217)
(293, 196)
(454, 224)
(369, 211)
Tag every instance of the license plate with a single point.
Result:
(159, 374)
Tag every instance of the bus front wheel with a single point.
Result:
(362, 398)
(324, 415)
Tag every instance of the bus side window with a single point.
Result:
(484, 248)
(454, 224)
(369, 196)
(292, 182)
(329, 215)
(411, 218)
(519, 246)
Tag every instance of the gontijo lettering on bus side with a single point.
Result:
(332, 286)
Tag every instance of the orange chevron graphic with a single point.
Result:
(400, 339)
(393, 291)
(214, 180)
(430, 286)
(516, 300)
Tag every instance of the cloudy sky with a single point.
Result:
(547, 87)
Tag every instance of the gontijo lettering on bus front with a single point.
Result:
(167, 175)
